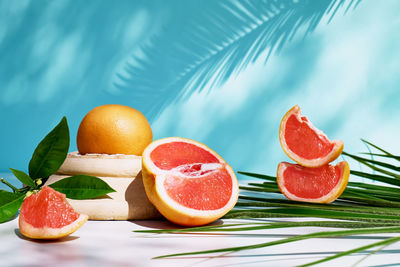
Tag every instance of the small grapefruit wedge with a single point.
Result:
(319, 185)
(304, 143)
(187, 182)
(48, 215)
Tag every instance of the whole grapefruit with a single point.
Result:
(114, 129)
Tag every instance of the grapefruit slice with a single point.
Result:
(48, 215)
(304, 143)
(319, 185)
(188, 182)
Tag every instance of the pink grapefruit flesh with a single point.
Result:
(321, 185)
(304, 143)
(48, 215)
(188, 182)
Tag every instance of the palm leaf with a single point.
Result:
(211, 41)
(322, 234)
(364, 207)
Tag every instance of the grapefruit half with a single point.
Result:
(48, 215)
(187, 182)
(304, 143)
(319, 185)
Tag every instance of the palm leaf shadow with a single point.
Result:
(213, 40)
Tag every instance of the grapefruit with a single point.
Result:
(114, 129)
(320, 185)
(187, 182)
(47, 215)
(304, 143)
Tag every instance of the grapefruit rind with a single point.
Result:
(51, 233)
(328, 198)
(312, 163)
(154, 177)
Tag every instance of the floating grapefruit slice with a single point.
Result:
(304, 143)
(188, 182)
(320, 185)
(48, 215)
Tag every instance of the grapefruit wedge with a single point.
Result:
(304, 143)
(48, 215)
(188, 182)
(319, 185)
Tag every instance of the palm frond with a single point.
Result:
(205, 46)
(365, 208)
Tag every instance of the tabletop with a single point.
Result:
(114, 243)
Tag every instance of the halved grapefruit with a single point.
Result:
(304, 143)
(48, 215)
(319, 185)
(187, 182)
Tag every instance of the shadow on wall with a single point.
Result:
(203, 45)
(66, 57)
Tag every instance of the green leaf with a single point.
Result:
(260, 176)
(375, 146)
(382, 155)
(323, 234)
(251, 226)
(351, 251)
(307, 212)
(51, 152)
(24, 178)
(376, 177)
(395, 175)
(376, 162)
(9, 204)
(82, 187)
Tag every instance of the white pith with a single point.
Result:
(51, 233)
(161, 176)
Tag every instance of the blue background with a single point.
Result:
(220, 72)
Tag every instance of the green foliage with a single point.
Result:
(49, 155)
(51, 152)
(9, 204)
(364, 208)
(82, 187)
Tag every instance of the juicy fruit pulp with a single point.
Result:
(188, 182)
(114, 129)
(48, 215)
(197, 180)
(304, 143)
(322, 185)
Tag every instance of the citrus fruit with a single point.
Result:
(320, 185)
(47, 215)
(304, 143)
(187, 182)
(122, 173)
(114, 129)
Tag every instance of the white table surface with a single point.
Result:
(113, 243)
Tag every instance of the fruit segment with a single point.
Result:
(304, 143)
(47, 215)
(321, 185)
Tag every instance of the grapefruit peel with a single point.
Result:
(44, 231)
(336, 146)
(154, 181)
(333, 194)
